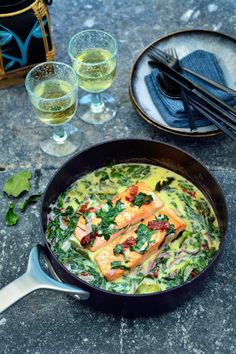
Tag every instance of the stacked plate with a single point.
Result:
(185, 42)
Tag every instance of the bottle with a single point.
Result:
(25, 38)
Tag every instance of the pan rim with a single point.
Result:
(124, 295)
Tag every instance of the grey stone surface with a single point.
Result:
(48, 322)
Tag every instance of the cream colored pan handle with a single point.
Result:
(33, 279)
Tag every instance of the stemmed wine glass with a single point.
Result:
(53, 91)
(93, 55)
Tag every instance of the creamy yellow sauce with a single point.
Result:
(182, 259)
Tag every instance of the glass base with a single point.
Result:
(101, 115)
(66, 147)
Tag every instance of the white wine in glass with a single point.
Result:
(53, 92)
(93, 54)
(53, 108)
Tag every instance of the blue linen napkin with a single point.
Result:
(172, 110)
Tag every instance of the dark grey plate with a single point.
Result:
(186, 41)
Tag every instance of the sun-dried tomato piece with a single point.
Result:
(205, 247)
(155, 273)
(129, 198)
(158, 225)
(192, 194)
(91, 210)
(193, 274)
(133, 191)
(85, 241)
(65, 220)
(84, 274)
(128, 243)
(88, 239)
(83, 208)
(147, 199)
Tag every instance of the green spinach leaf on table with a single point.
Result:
(11, 217)
(17, 184)
(31, 200)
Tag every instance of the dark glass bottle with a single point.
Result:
(25, 38)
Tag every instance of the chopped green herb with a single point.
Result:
(11, 217)
(186, 185)
(60, 199)
(86, 183)
(119, 250)
(17, 184)
(112, 163)
(143, 239)
(164, 184)
(102, 175)
(105, 227)
(119, 265)
(142, 198)
(76, 247)
(204, 210)
(174, 205)
(212, 251)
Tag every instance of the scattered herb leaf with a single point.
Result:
(17, 184)
(31, 200)
(11, 217)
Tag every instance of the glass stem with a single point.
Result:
(59, 134)
(97, 105)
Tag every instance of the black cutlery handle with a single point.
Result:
(187, 108)
(212, 117)
(216, 107)
(209, 81)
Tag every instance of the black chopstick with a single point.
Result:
(217, 111)
(187, 109)
(215, 107)
(209, 81)
(210, 111)
(213, 117)
(191, 86)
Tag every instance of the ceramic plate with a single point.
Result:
(185, 42)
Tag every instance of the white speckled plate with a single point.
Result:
(186, 41)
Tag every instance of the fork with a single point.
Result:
(216, 110)
(171, 57)
(158, 55)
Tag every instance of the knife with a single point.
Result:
(203, 78)
(205, 96)
(213, 118)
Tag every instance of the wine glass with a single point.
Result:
(53, 91)
(93, 55)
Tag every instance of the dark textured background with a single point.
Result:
(48, 322)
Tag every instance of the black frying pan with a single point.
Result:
(120, 151)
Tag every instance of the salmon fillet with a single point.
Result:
(130, 215)
(134, 256)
